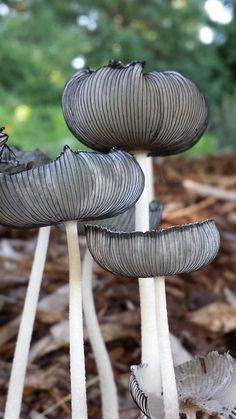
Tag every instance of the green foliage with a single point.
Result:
(39, 40)
(206, 145)
(38, 127)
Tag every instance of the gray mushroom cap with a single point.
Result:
(77, 185)
(121, 106)
(3, 137)
(208, 384)
(126, 220)
(151, 406)
(170, 251)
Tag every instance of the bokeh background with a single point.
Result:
(42, 43)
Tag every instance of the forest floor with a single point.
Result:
(202, 305)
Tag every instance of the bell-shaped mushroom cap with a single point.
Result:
(208, 383)
(150, 405)
(121, 106)
(126, 220)
(174, 250)
(77, 185)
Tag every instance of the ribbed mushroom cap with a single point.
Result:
(121, 106)
(126, 220)
(151, 406)
(208, 383)
(174, 250)
(77, 185)
(3, 137)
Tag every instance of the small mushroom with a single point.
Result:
(124, 222)
(75, 186)
(170, 251)
(208, 384)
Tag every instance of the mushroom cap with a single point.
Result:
(126, 220)
(151, 406)
(161, 113)
(174, 250)
(208, 383)
(3, 137)
(77, 185)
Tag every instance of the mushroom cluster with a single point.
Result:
(76, 186)
(115, 110)
(149, 114)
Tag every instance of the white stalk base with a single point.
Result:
(107, 384)
(170, 395)
(191, 415)
(17, 378)
(77, 365)
(150, 352)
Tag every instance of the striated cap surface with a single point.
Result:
(121, 106)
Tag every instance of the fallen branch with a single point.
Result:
(206, 190)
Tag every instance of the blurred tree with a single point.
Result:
(40, 41)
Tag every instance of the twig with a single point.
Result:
(206, 190)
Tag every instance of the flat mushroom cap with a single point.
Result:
(77, 185)
(126, 220)
(121, 106)
(174, 250)
(208, 384)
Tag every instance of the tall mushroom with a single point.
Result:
(10, 164)
(174, 250)
(149, 114)
(75, 186)
(123, 222)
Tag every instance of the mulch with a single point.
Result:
(202, 305)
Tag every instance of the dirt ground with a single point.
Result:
(202, 305)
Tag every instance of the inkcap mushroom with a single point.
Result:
(75, 186)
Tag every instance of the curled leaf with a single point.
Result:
(121, 106)
(75, 186)
(170, 251)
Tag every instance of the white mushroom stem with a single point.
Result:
(170, 395)
(107, 384)
(150, 179)
(150, 354)
(16, 384)
(191, 415)
(77, 362)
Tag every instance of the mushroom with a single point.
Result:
(206, 384)
(124, 222)
(9, 164)
(75, 186)
(155, 113)
(175, 250)
(3, 138)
